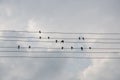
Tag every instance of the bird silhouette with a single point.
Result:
(62, 48)
(40, 37)
(83, 38)
(71, 47)
(82, 48)
(18, 46)
(29, 47)
(62, 41)
(90, 48)
(39, 31)
(56, 41)
(48, 37)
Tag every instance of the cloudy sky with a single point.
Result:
(61, 16)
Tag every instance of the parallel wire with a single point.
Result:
(101, 42)
(113, 52)
(59, 38)
(60, 48)
(64, 42)
(58, 32)
(39, 57)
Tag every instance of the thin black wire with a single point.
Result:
(60, 41)
(113, 52)
(58, 32)
(18, 37)
(38, 57)
(56, 38)
(65, 42)
(18, 31)
(60, 48)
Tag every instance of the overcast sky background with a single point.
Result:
(62, 16)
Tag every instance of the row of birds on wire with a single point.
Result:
(10, 38)
(29, 47)
(57, 40)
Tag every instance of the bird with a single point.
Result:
(62, 47)
(62, 41)
(40, 37)
(83, 38)
(48, 37)
(29, 47)
(90, 48)
(82, 48)
(56, 41)
(71, 47)
(79, 38)
(39, 31)
(18, 46)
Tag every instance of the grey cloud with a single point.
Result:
(106, 70)
(29, 69)
(56, 15)
(66, 14)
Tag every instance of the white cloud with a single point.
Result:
(105, 69)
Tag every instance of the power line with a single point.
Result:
(58, 32)
(113, 52)
(59, 57)
(17, 37)
(79, 48)
(101, 42)
(59, 38)
(18, 31)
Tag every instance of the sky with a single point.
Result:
(62, 16)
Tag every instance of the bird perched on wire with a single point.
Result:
(82, 48)
(71, 47)
(62, 48)
(48, 37)
(29, 47)
(62, 41)
(56, 41)
(39, 31)
(18, 46)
